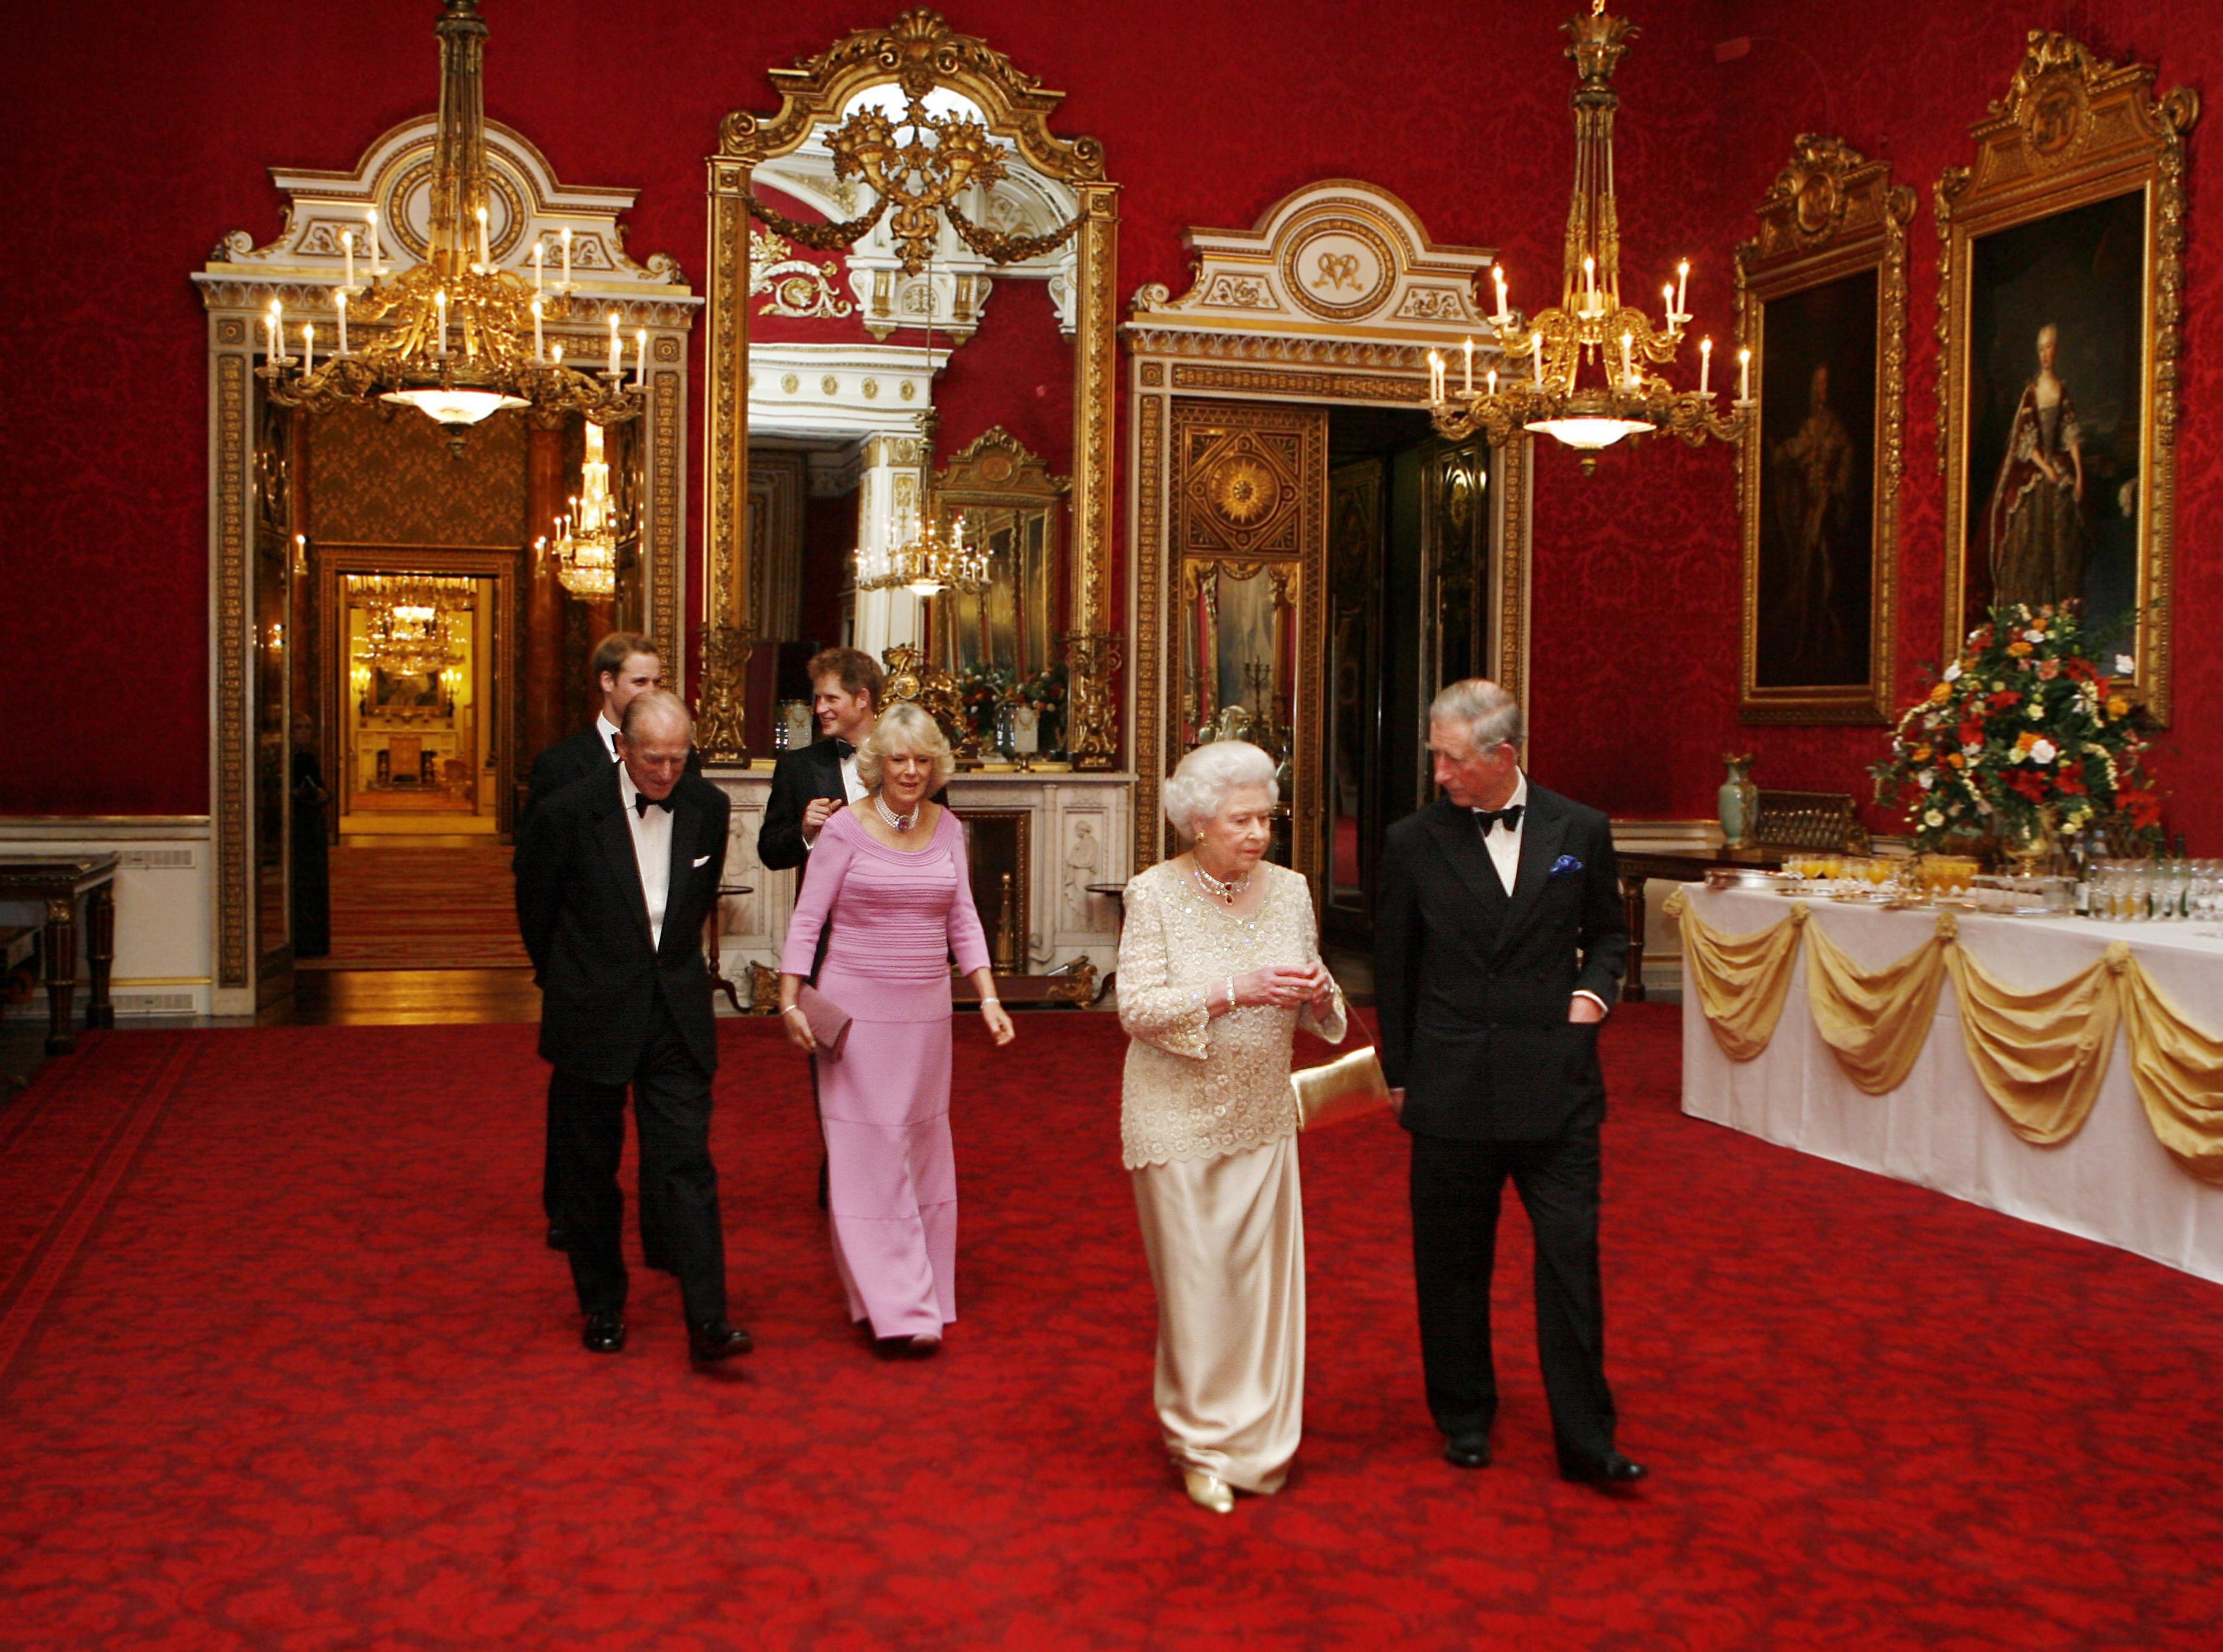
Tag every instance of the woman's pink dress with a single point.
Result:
(892, 1177)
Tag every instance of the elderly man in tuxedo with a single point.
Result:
(1499, 943)
(625, 664)
(615, 875)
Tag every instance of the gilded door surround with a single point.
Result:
(921, 52)
(1336, 297)
(298, 271)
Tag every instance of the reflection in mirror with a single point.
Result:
(865, 362)
(1238, 662)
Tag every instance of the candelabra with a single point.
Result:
(1577, 372)
(586, 544)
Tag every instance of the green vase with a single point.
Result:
(1739, 802)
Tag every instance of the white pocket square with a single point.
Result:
(701, 860)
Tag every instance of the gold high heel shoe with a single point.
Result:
(1208, 1491)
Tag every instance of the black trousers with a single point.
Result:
(653, 1249)
(679, 1184)
(1456, 1186)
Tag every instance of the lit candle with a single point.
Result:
(1744, 375)
(486, 258)
(308, 347)
(347, 249)
(1705, 365)
(1537, 340)
(270, 336)
(339, 302)
(1667, 302)
(641, 359)
(536, 347)
(555, 354)
(1492, 378)
(1497, 274)
(1628, 361)
(1466, 372)
(1682, 286)
(616, 349)
(440, 303)
(567, 258)
(1435, 377)
(539, 258)
(377, 264)
(1590, 285)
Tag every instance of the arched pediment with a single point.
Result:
(1339, 255)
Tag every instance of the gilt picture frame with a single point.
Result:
(1822, 306)
(2060, 308)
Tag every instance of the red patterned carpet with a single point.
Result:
(283, 1363)
(422, 906)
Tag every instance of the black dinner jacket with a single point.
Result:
(798, 777)
(1472, 985)
(585, 922)
(573, 758)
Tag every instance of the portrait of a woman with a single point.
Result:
(2035, 527)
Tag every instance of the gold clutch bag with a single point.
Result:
(1349, 1087)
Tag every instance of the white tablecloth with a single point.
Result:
(2111, 1181)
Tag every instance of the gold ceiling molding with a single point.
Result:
(919, 53)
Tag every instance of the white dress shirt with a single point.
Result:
(1503, 843)
(652, 853)
(609, 732)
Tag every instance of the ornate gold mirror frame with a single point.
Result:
(1822, 303)
(2074, 137)
(921, 54)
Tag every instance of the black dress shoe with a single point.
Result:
(1612, 1469)
(605, 1333)
(714, 1340)
(1467, 1450)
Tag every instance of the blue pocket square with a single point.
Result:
(1566, 865)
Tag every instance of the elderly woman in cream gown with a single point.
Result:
(1218, 962)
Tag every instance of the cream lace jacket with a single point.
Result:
(1198, 1087)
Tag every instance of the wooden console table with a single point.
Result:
(1637, 865)
(63, 883)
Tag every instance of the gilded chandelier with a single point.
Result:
(409, 631)
(460, 337)
(586, 544)
(1576, 373)
(925, 562)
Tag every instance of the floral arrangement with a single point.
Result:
(1044, 691)
(980, 691)
(2025, 739)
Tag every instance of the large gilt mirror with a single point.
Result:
(911, 292)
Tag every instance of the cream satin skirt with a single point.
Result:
(1225, 1239)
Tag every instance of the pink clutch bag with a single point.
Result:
(827, 1021)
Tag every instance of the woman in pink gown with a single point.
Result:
(888, 876)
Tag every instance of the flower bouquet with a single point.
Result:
(1044, 694)
(2024, 738)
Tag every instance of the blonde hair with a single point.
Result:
(905, 728)
(1199, 788)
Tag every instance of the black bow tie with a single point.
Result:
(842, 747)
(1485, 818)
(642, 803)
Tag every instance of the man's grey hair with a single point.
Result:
(1490, 714)
(1199, 788)
(656, 705)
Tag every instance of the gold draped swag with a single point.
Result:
(2040, 1055)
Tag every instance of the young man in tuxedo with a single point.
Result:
(625, 664)
(616, 874)
(1499, 944)
(809, 786)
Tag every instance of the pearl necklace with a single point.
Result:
(896, 822)
(1225, 891)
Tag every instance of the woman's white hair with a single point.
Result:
(905, 729)
(1490, 714)
(1199, 787)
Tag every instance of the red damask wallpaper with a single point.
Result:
(138, 135)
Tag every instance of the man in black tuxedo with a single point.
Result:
(1499, 944)
(626, 664)
(616, 874)
(809, 786)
